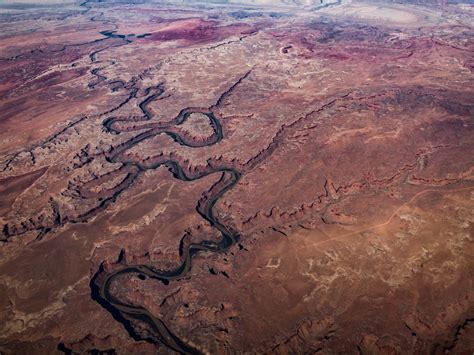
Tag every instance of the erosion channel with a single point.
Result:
(100, 284)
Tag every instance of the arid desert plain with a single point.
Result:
(236, 177)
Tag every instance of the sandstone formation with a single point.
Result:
(259, 177)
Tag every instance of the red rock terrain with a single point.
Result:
(265, 178)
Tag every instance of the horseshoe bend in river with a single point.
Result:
(100, 284)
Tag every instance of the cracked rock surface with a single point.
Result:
(260, 177)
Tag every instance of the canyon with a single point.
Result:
(236, 177)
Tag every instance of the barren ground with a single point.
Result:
(310, 168)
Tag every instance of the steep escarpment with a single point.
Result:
(234, 179)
